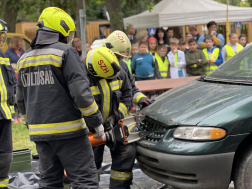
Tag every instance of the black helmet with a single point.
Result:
(3, 33)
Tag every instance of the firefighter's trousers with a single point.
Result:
(75, 155)
(123, 158)
(5, 152)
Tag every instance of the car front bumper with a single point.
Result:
(187, 171)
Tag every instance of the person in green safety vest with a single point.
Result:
(231, 48)
(177, 60)
(128, 62)
(213, 55)
(162, 67)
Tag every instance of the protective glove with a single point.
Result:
(100, 132)
(143, 102)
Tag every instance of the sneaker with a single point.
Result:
(15, 121)
(20, 120)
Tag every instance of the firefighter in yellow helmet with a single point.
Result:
(112, 92)
(119, 43)
(7, 86)
(53, 94)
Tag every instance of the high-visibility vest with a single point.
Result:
(230, 51)
(209, 68)
(162, 66)
(128, 64)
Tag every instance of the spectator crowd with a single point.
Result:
(164, 56)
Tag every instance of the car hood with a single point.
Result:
(192, 102)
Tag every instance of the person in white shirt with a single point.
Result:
(177, 60)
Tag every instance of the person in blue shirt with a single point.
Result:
(15, 51)
(213, 55)
(143, 64)
(218, 38)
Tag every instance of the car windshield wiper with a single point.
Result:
(220, 80)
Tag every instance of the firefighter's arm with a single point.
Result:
(78, 85)
(137, 95)
(125, 99)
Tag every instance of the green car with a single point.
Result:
(202, 130)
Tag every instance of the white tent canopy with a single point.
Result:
(188, 12)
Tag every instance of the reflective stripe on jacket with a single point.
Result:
(230, 51)
(112, 96)
(163, 67)
(7, 88)
(53, 92)
(210, 67)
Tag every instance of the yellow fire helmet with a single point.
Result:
(58, 20)
(119, 43)
(102, 62)
(3, 33)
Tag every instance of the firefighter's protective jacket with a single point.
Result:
(7, 87)
(112, 96)
(137, 95)
(53, 90)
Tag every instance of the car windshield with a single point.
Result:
(238, 69)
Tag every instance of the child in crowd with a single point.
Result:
(177, 60)
(152, 47)
(162, 67)
(182, 46)
(88, 47)
(134, 49)
(142, 63)
(213, 55)
(195, 60)
(128, 62)
(243, 40)
(17, 118)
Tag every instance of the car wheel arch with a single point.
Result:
(245, 144)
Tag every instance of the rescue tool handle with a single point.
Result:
(123, 131)
(96, 142)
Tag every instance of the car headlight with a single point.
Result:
(199, 133)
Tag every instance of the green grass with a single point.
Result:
(21, 139)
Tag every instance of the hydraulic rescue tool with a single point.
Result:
(122, 132)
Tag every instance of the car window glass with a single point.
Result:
(236, 69)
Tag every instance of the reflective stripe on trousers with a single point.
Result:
(120, 175)
(56, 128)
(4, 183)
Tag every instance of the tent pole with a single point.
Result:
(227, 26)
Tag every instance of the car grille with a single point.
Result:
(159, 130)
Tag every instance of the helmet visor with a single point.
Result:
(3, 37)
(70, 38)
